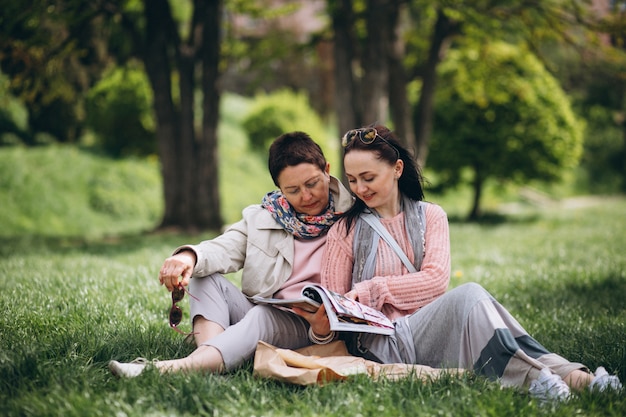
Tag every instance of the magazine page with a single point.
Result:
(345, 314)
(305, 303)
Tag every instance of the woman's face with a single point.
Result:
(306, 187)
(374, 180)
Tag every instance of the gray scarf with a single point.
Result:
(366, 240)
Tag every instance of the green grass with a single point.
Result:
(78, 287)
(71, 305)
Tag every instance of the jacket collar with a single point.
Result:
(343, 198)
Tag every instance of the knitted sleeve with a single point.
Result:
(395, 295)
(336, 272)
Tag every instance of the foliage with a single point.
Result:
(604, 159)
(119, 111)
(276, 113)
(13, 116)
(70, 308)
(501, 114)
(267, 46)
(52, 53)
(595, 78)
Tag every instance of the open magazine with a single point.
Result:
(344, 314)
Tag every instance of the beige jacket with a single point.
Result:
(259, 245)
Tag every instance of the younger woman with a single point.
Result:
(465, 327)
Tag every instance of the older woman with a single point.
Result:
(279, 246)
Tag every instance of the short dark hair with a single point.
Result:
(291, 149)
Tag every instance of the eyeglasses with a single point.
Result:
(366, 135)
(176, 314)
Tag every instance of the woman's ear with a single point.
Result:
(399, 168)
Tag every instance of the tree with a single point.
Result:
(501, 115)
(368, 50)
(52, 54)
(528, 22)
(189, 160)
(181, 58)
(608, 89)
(384, 46)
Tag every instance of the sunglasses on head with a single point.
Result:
(176, 314)
(366, 135)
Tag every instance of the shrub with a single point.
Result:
(282, 111)
(13, 117)
(120, 114)
(603, 159)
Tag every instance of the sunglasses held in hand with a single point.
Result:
(176, 314)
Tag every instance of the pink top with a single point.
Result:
(307, 264)
(393, 290)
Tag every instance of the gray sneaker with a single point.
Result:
(549, 387)
(130, 369)
(603, 381)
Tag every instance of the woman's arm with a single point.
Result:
(405, 293)
(409, 292)
(336, 274)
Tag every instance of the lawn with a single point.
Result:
(71, 305)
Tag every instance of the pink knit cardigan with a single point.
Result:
(393, 290)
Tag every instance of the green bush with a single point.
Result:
(603, 159)
(14, 127)
(120, 114)
(283, 111)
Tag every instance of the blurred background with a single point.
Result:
(123, 116)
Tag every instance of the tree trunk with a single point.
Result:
(398, 100)
(442, 33)
(187, 156)
(189, 162)
(375, 64)
(208, 212)
(477, 185)
(158, 68)
(348, 107)
(347, 104)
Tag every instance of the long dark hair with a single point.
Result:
(383, 142)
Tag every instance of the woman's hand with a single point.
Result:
(175, 267)
(318, 320)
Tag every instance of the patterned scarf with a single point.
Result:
(300, 225)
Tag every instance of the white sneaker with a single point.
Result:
(549, 387)
(603, 381)
(130, 369)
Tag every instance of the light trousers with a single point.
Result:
(244, 323)
(465, 328)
